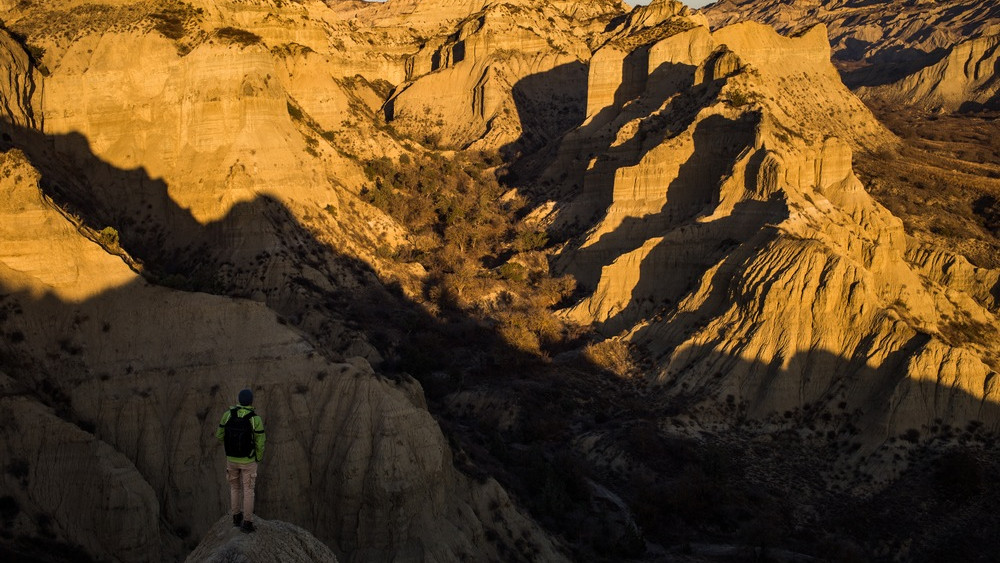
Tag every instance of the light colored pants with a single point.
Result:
(242, 477)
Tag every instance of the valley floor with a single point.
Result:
(944, 182)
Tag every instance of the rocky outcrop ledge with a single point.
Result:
(273, 540)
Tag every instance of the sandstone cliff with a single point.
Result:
(145, 371)
(217, 121)
(876, 43)
(728, 238)
(508, 72)
(230, 163)
(18, 84)
(964, 79)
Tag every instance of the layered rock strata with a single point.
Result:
(965, 79)
(913, 44)
(145, 371)
(509, 72)
(234, 154)
(877, 31)
(728, 238)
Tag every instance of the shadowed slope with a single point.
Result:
(144, 368)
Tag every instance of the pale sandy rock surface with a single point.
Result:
(272, 540)
(705, 177)
(150, 369)
(210, 143)
(510, 71)
(26, 214)
(737, 246)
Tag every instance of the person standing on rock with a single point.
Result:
(241, 431)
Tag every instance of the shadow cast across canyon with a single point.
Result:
(887, 66)
(992, 104)
(677, 262)
(663, 103)
(691, 496)
(577, 170)
(54, 363)
(709, 453)
(529, 158)
(717, 143)
(548, 105)
(258, 250)
(551, 402)
(832, 428)
(730, 501)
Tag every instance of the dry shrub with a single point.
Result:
(520, 338)
(549, 291)
(612, 355)
(238, 36)
(529, 329)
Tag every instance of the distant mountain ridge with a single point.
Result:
(965, 79)
(893, 38)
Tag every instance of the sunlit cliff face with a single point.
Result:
(413, 229)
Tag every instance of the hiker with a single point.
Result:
(241, 431)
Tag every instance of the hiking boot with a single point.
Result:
(237, 519)
(248, 527)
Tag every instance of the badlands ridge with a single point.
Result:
(187, 209)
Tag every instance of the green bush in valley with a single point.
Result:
(513, 272)
(531, 240)
(108, 237)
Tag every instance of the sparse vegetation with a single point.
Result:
(169, 24)
(294, 111)
(738, 97)
(944, 193)
(35, 53)
(469, 241)
(237, 36)
(108, 238)
(612, 355)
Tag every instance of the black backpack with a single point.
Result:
(238, 438)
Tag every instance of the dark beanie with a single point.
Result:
(246, 397)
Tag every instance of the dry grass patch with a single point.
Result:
(944, 182)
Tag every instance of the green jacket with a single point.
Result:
(258, 428)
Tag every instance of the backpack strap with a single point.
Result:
(232, 415)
